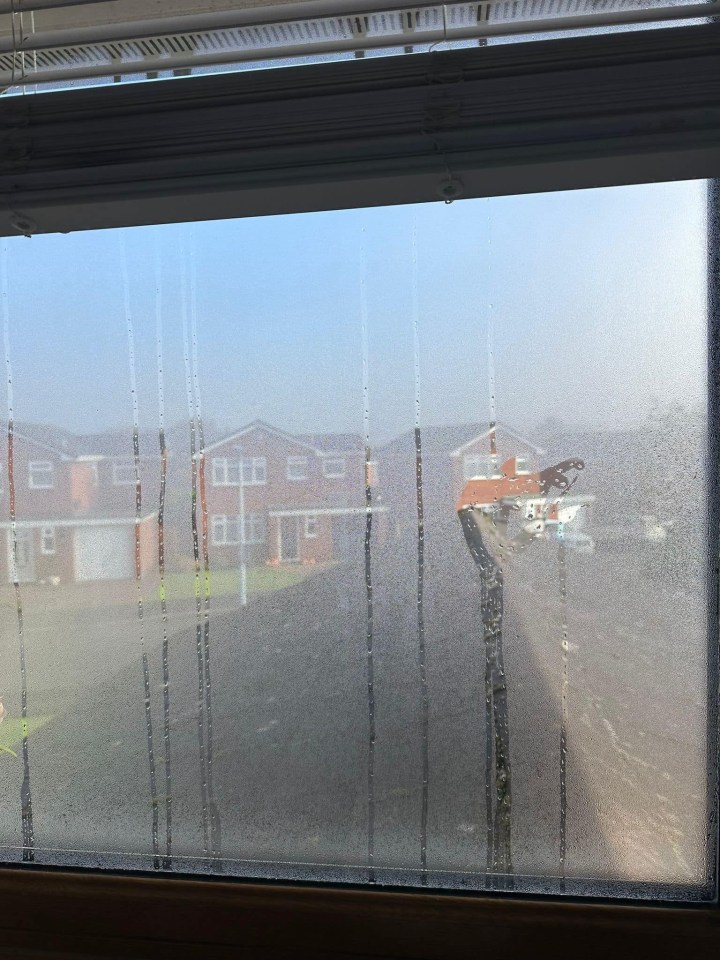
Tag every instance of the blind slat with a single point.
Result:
(75, 43)
(564, 114)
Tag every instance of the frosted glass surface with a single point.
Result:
(242, 628)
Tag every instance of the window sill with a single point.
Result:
(75, 914)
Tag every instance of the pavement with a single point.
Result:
(290, 724)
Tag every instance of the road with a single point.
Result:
(290, 724)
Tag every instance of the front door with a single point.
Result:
(289, 539)
(24, 555)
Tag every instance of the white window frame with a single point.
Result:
(117, 467)
(222, 524)
(257, 471)
(44, 466)
(223, 469)
(220, 530)
(486, 467)
(48, 533)
(254, 531)
(312, 528)
(302, 463)
(334, 474)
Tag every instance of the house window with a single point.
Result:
(254, 471)
(47, 541)
(254, 528)
(123, 474)
(226, 529)
(334, 469)
(311, 528)
(297, 468)
(41, 475)
(225, 472)
(478, 466)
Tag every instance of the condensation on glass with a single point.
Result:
(363, 546)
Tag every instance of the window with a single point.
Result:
(41, 475)
(475, 465)
(225, 472)
(226, 530)
(254, 471)
(123, 474)
(297, 468)
(599, 729)
(254, 528)
(619, 572)
(47, 541)
(334, 468)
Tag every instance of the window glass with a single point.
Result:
(40, 474)
(470, 651)
(123, 473)
(334, 468)
(254, 470)
(297, 468)
(47, 540)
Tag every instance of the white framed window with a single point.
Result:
(334, 468)
(311, 528)
(41, 475)
(297, 468)
(478, 465)
(254, 528)
(123, 474)
(47, 541)
(254, 471)
(226, 530)
(225, 472)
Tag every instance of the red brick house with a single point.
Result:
(75, 509)
(301, 500)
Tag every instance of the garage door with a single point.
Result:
(103, 553)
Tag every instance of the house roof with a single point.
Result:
(318, 443)
(454, 439)
(70, 446)
(51, 438)
(501, 428)
(334, 442)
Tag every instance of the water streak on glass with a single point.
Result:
(424, 702)
(215, 827)
(26, 808)
(562, 581)
(167, 861)
(138, 552)
(199, 606)
(368, 565)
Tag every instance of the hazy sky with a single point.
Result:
(597, 299)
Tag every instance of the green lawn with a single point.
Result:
(225, 583)
(11, 732)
